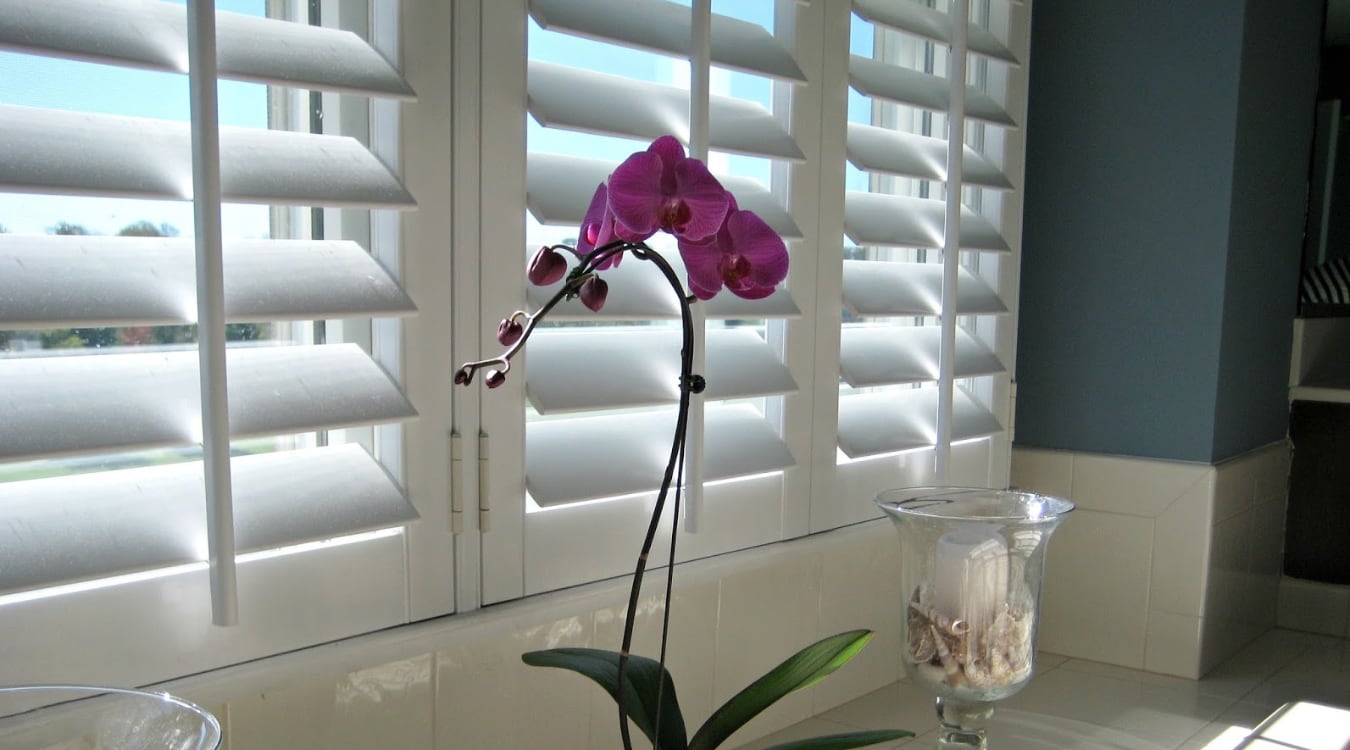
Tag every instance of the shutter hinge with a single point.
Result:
(484, 504)
(456, 484)
(1012, 411)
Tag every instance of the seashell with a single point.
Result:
(949, 663)
(921, 646)
(942, 622)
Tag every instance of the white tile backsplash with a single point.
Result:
(1182, 542)
(1163, 567)
(459, 682)
(1095, 601)
(1170, 644)
(767, 614)
(1166, 565)
(1136, 486)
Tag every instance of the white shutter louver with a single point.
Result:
(609, 379)
(97, 404)
(891, 344)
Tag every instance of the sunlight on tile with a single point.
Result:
(1308, 726)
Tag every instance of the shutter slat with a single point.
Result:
(899, 84)
(614, 368)
(874, 149)
(928, 23)
(565, 97)
(871, 424)
(877, 289)
(638, 291)
(153, 34)
(50, 151)
(66, 405)
(562, 465)
(559, 190)
(891, 356)
(901, 221)
(74, 528)
(665, 27)
(54, 281)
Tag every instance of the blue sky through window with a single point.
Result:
(54, 83)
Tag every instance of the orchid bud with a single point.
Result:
(494, 378)
(463, 375)
(547, 267)
(509, 331)
(593, 292)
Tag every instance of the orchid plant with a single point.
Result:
(722, 246)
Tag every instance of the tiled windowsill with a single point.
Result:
(1084, 705)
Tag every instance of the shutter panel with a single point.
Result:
(609, 379)
(895, 214)
(153, 34)
(94, 404)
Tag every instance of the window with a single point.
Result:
(902, 418)
(600, 389)
(104, 543)
(367, 491)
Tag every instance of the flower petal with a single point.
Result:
(635, 195)
(671, 152)
(705, 198)
(753, 238)
(588, 235)
(702, 263)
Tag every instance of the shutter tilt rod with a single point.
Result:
(959, 14)
(700, 60)
(201, 17)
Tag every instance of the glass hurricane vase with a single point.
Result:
(971, 567)
(74, 717)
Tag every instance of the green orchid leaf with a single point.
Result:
(802, 669)
(644, 682)
(845, 740)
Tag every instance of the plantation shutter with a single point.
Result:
(92, 406)
(602, 387)
(895, 214)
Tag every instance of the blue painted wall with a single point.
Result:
(1167, 148)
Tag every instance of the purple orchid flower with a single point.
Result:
(746, 256)
(597, 228)
(662, 189)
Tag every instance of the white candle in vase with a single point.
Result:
(970, 577)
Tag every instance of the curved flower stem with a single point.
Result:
(674, 464)
(570, 288)
(674, 473)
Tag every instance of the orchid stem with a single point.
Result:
(673, 465)
(674, 473)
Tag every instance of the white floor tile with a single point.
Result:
(1166, 716)
(1075, 704)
